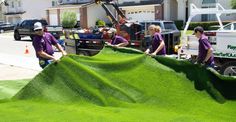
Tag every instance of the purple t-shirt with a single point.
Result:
(204, 45)
(44, 43)
(156, 40)
(117, 40)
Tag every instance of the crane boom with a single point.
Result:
(112, 18)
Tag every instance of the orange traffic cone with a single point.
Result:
(26, 50)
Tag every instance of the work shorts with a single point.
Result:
(44, 62)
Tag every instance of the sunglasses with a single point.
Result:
(38, 30)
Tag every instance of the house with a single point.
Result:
(3, 4)
(75, 2)
(87, 12)
(138, 10)
(55, 13)
(25, 9)
(142, 10)
(180, 9)
(92, 12)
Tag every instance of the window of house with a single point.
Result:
(208, 17)
(19, 3)
(208, 1)
(12, 4)
(53, 3)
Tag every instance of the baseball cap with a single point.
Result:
(38, 26)
(112, 30)
(198, 29)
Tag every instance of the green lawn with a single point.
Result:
(120, 85)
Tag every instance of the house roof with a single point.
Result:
(75, 3)
(149, 2)
(65, 6)
(88, 4)
(14, 13)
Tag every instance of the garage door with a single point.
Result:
(140, 15)
(53, 19)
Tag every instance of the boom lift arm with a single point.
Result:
(104, 4)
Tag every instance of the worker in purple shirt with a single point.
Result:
(42, 43)
(158, 44)
(116, 41)
(205, 50)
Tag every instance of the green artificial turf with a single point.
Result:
(121, 85)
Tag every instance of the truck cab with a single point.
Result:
(26, 28)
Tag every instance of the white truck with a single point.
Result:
(222, 40)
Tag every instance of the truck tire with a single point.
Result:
(84, 53)
(229, 68)
(17, 35)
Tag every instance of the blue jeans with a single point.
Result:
(62, 43)
(43, 62)
(212, 65)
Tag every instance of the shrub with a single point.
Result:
(179, 24)
(69, 19)
(206, 25)
(233, 4)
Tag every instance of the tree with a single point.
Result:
(69, 19)
(233, 4)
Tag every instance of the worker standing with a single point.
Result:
(158, 44)
(205, 50)
(42, 43)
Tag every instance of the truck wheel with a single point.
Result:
(84, 53)
(229, 69)
(17, 35)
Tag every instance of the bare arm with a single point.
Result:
(122, 44)
(209, 53)
(160, 47)
(46, 56)
(60, 49)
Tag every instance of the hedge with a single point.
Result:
(206, 25)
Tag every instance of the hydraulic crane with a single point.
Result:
(129, 30)
(104, 4)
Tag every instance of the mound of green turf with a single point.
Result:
(123, 85)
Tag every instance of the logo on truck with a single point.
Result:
(227, 55)
(232, 47)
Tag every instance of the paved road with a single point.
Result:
(14, 63)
